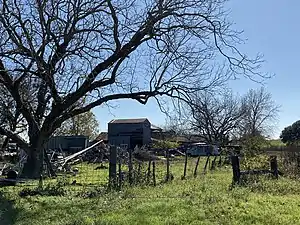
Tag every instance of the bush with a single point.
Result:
(165, 145)
(253, 145)
(259, 161)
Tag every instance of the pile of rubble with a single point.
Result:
(96, 155)
(5, 167)
(11, 157)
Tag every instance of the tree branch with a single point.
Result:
(20, 141)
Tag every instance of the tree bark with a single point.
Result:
(33, 167)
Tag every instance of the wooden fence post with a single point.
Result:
(120, 174)
(49, 165)
(168, 164)
(153, 173)
(130, 167)
(185, 165)
(113, 166)
(40, 187)
(207, 160)
(220, 161)
(43, 156)
(236, 169)
(138, 178)
(213, 163)
(196, 167)
(149, 171)
(274, 166)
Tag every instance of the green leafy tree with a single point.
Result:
(253, 145)
(84, 124)
(165, 144)
(291, 134)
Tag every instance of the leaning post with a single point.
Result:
(185, 166)
(196, 167)
(153, 173)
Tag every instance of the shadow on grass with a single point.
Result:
(8, 213)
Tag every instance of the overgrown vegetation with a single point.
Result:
(207, 199)
(261, 161)
(50, 189)
(165, 144)
(253, 145)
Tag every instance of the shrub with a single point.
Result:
(165, 145)
(259, 161)
(253, 145)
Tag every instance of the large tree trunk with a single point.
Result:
(33, 167)
(36, 156)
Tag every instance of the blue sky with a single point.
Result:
(271, 27)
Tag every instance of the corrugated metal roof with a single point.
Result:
(153, 127)
(139, 120)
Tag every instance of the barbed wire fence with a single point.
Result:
(108, 167)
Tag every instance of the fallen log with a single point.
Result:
(76, 161)
(73, 156)
(179, 152)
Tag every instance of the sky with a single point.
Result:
(271, 27)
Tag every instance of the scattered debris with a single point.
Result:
(143, 154)
(77, 154)
(62, 163)
(2, 170)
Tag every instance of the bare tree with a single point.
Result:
(180, 122)
(10, 116)
(215, 117)
(261, 113)
(67, 52)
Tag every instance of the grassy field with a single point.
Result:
(207, 199)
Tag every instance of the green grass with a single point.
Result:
(207, 199)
